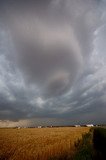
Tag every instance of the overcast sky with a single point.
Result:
(52, 62)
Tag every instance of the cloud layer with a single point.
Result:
(52, 61)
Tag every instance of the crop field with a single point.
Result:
(39, 143)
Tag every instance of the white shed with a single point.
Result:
(89, 125)
(39, 126)
(77, 125)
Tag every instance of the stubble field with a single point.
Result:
(39, 143)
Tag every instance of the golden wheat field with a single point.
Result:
(39, 143)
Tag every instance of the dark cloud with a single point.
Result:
(52, 44)
(52, 59)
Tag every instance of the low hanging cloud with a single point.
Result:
(52, 44)
(50, 59)
(45, 51)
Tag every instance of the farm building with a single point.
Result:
(77, 125)
(89, 125)
(39, 126)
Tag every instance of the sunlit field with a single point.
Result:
(39, 143)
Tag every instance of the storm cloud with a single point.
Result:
(52, 60)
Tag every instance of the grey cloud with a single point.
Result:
(53, 43)
(54, 64)
(51, 54)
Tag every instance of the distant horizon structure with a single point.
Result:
(77, 125)
(39, 126)
(89, 125)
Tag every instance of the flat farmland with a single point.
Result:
(39, 143)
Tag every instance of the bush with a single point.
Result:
(99, 143)
(92, 146)
(84, 147)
